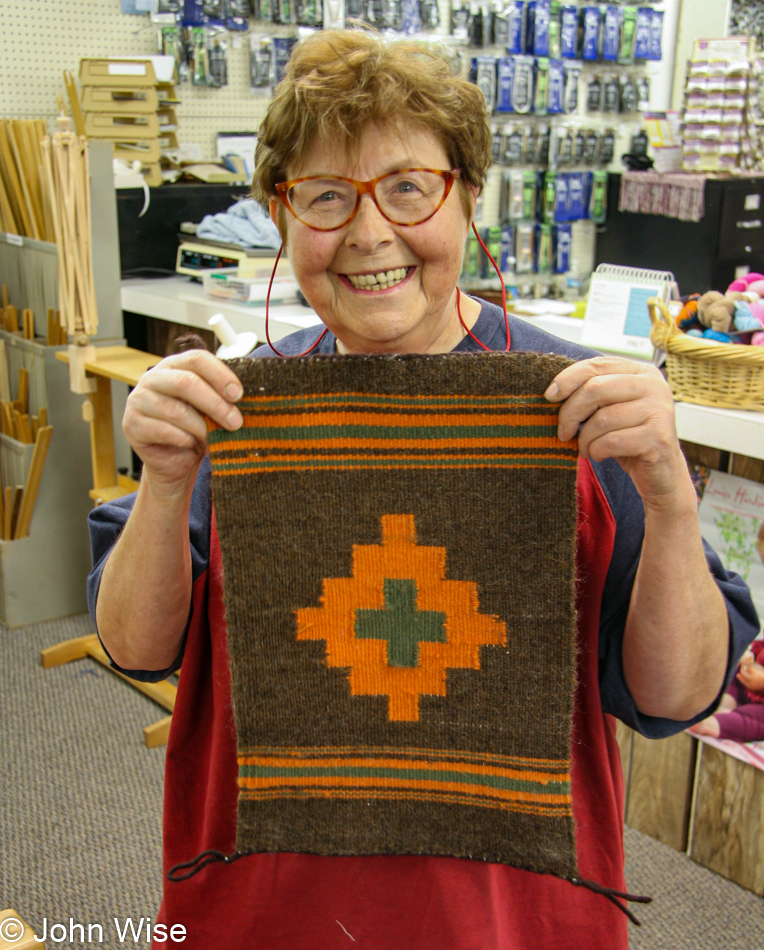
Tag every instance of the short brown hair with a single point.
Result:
(339, 81)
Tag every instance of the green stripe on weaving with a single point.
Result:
(459, 778)
(504, 461)
(462, 756)
(393, 433)
(446, 402)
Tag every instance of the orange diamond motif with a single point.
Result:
(391, 645)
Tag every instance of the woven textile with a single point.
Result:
(398, 541)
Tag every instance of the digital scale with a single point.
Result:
(197, 256)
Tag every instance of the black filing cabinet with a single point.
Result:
(705, 255)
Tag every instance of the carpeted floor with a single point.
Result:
(81, 800)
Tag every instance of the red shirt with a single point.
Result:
(309, 902)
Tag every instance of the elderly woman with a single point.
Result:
(372, 157)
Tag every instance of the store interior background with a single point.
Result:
(80, 831)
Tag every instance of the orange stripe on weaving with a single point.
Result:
(548, 811)
(349, 781)
(398, 419)
(467, 769)
(311, 752)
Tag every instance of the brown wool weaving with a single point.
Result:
(398, 546)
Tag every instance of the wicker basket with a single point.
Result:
(727, 375)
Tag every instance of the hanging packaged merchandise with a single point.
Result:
(643, 93)
(500, 21)
(492, 240)
(642, 33)
(555, 88)
(590, 45)
(471, 262)
(607, 147)
(524, 251)
(627, 36)
(282, 48)
(200, 74)
(514, 186)
(549, 196)
(504, 191)
(214, 10)
(169, 6)
(544, 249)
(513, 144)
(354, 10)
(656, 31)
(260, 63)
(217, 57)
(507, 261)
(522, 87)
(560, 210)
(283, 11)
(505, 74)
(541, 28)
(529, 25)
(478, 30)
(530, 181)
(429, 13)
(593, 93)
(173, 46)
(541, 86)
(515, 14)
(544, 139)
(460, 20)
(496, 145)
(572, 73)
(598, 201)
(611, 94)
(611, 34)
(579, 146)
(236, 13)
(628, 94)
(563, 240)
(193, 13)
(569, 32)
(639, 143)
(554, 30)
(576, 208)
(565, 147)
(483, 74)
(393, 14)
(309, 12)
(591, 141)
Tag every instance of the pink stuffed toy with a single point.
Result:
(753, 285)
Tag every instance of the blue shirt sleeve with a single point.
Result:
(106, 523)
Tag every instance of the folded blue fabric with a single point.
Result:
(244, 223)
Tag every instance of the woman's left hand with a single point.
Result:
(624, 410)
(752, 677)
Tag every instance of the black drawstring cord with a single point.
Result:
(612, 896)
(201, 861)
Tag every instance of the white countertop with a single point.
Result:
(181, 300)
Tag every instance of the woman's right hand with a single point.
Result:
(164, 419)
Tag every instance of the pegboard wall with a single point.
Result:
(41, 38)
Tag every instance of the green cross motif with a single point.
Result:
(401, 623)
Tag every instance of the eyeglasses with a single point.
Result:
(407, 196)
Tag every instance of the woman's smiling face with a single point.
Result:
(415, 309)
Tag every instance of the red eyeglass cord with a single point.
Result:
(458, 307)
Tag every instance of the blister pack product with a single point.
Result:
(429, 13)
(522, 86)
(579, 146)
(309, 12)
(541, 86)
(590, 50)
(524, 250)
(214, 10)
(611, 94)
(628, 27)
(513, 144)
(611, 34)
(563, 240)
(656, 32)
(643, 93)
(496, 145)
(529, 26)
(541, 28)
(282, 48)
(260, 63)
(514, 10)
(483, 74)
(478, 29)
(555, 97)
(500, 23)
(530, 184)
(572, 72)
(544, 257)
(505, 75)
(560, 211)
(492, 240)
(460, 18)
(606, 147)
(549, 196)
(569, 32)
(543, 142)
(591, 141)
(575, 209)
(507, 261)
(565, 146)
(554, 29)
(642, 33)
(598, 200)
(471, 259)
(628, 97)
(515, 184)
(593, 93)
